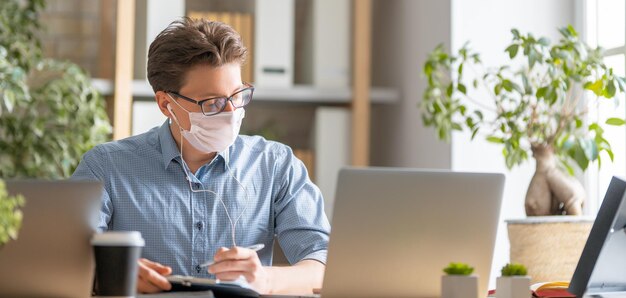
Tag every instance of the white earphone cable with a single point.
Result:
(233, 225)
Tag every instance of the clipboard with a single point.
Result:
(220, 289)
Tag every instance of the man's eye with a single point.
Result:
(237, 98)
(210, 106)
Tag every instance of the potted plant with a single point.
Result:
(458, 282)
(50, 114)
(538, 106)
(514, 283)
(10, 215)
(538, 109)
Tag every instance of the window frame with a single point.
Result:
(591, 177)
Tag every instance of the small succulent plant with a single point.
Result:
(513, 269)
(458, 269)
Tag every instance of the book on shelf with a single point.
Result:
(274, 43)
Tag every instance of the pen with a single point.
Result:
(255, 247)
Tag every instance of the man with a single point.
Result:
(199, 192)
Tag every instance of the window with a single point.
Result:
(605, 26)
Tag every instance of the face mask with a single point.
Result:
(211, 133)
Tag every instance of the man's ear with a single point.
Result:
(162, 101)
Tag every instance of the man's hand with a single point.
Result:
(232, 263)
(151, 277)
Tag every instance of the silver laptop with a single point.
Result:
(52, 256)
(394, 230)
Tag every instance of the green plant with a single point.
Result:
(50, 115)
(458, 269)
(537, 105)
(513, 269)
(10, 215)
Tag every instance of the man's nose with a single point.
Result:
(229, 107)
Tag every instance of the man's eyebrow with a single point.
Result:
(212, 94)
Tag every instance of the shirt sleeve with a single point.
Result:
(90, 169)
(301, 224)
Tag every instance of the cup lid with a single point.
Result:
(118, 238)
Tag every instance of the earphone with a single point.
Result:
(233, 225)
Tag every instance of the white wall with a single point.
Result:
(487, 24)
(404, 31)
(146, 115)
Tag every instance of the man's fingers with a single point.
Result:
(220, 254)
(162, 269)
(235, 253)
(150, 264)
(144, 286)
(143, 270)
(233, 265)
(154, 278)
(158, 280)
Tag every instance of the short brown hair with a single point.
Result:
(186, 43)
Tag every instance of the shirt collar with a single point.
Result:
(170, 150)
(226, 156)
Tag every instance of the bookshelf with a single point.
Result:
(127, 85)
(306, 94)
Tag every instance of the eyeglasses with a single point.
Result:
(215, 105)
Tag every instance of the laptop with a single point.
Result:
(52, 256)
(600, 269)
(394, 230)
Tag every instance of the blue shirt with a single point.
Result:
(145, 189)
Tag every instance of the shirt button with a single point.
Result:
(198, 268)
(199, 225)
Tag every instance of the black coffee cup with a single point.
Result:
(116, 255)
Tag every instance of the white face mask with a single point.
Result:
(211, 133)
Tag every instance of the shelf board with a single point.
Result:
(295, 94)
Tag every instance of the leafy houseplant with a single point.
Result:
(50, 115)
(458, 282)
(538, 108)
(10, 215)
(513, 283)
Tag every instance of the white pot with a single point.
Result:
(459, 286)
(513, 287)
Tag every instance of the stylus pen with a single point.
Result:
(255, 247)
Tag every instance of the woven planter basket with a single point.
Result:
(549, 246)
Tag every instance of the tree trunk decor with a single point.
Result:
(552, 192)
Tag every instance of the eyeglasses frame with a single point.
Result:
(201, 102)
